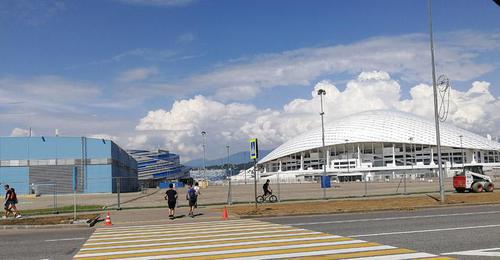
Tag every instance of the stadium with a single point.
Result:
(377, 145)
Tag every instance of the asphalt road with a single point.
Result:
(42, 243)
(437, 231)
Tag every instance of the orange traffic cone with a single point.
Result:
(108, 221)
(225, 214)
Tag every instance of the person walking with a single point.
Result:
(171, 198)
(10, 202)
(198, 192)
(192, 199)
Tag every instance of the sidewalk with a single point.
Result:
(135, 217)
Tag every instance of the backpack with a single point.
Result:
(191, 194)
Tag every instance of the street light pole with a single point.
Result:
(462, 151)
(347, 155)
(229, 195)
(204, 134)
(322, 92)
(436, 111)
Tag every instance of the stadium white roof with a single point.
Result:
(382, 126)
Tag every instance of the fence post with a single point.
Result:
(118, 180)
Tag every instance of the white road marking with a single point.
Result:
(167, 237)
(249, 250)
(316, 253)
(195, 224)
(423, 231)
(397, 257)
(232, 244)
(390, 218)
(174, 227)
(65, 239)
(164, 234)
(478, 252)
(169, 242)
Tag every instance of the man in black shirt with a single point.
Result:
(267, 189)
(171, 197)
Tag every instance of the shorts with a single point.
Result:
(171, 204)
(192, 203)
(9, 203)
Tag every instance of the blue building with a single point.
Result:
(159, 165)
(27, 163)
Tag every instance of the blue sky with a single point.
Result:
(105, 67)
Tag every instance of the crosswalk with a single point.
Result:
(233, 239)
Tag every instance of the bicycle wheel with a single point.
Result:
(260, 199)
(273, 198)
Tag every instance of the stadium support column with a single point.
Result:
(393, 155)
(359, 157)
(302, 161)
(327, 158)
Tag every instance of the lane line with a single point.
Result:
(169, 242)
(397, 257)
(423, 231)
(272, 256)
(477, 252)
(165, 249)
(359, 254)
(390, 218)
(65, 239)
(190, 238)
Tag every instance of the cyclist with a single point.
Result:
(267, 189)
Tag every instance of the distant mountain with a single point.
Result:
(237, 158)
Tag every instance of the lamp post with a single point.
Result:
(436, 111)
(347, 155)
(321, 93)
(229, 195)
(413, 155)
(204, 134)
(462, 151)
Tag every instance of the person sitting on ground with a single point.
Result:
(192, 199)
(10, 202)
(171, 197)
(267, 189)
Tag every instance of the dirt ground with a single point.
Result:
(409, 202)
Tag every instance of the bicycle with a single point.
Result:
(270, 198)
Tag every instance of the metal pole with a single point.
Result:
(366, 184)
(255, 180)
(203, 133)
(321, 93)
(463, 156)
(436, 112)
(118, 180)
(347, 155)
(279, 191)
(229, 199)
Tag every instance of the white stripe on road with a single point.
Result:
(390, 218)
(232, 244)
(111, 230)
(422, 231)
(167, 237)
(65, 239)
(169, 242)
(397, 257)
(275, 256)
(195, 224)
(478, 252)
(164, 234)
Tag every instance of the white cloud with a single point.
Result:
(137, 74)
(185, 38)
(20, 132)
(233, 123)
(159, 3)
(405, 56)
